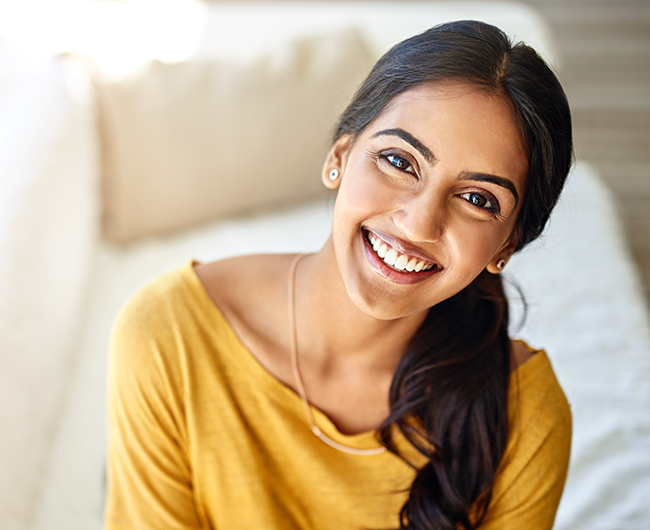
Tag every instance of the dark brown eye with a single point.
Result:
(398, 162)
(481, 201)
(476, 199)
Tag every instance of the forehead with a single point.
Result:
(462, 123)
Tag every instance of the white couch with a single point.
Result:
(65, 165)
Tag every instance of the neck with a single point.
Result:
(333, 332)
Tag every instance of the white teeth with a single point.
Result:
(394, 259)
(391, 257)
(401, 262)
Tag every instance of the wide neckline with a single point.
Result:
(286, 396)
(271, 385)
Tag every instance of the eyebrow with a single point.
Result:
(499, 181)
(409, 139)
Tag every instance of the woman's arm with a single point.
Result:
(149, 476)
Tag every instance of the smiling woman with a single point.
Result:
(434, 177)
(371, 384)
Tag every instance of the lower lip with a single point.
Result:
(405, 278)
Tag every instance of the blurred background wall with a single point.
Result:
(605, 51)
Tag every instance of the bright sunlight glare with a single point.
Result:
(119, 35)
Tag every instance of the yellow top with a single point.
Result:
(202, 436)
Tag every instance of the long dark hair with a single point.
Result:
(449, 393)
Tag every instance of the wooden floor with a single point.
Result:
(605, 51)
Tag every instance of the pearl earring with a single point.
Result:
(501, 264)
(334, 174)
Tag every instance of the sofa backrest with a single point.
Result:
(245, 122)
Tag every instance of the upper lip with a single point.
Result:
(404, 248)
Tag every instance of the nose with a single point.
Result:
(422, 218)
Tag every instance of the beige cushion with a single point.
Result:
(187, 142)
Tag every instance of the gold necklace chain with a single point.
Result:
(293, 344)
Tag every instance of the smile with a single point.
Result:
(395, 260)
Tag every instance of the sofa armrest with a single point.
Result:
(49, 210)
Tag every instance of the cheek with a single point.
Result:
(475, 244)
(361, 195)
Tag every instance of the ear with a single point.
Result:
(501, 258)
(334, 166)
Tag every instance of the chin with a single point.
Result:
(382, 306)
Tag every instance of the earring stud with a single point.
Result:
(334, 174)
(501, 264)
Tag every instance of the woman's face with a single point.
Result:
(428, 197)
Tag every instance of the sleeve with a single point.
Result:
(531, 477)
(149, 478)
